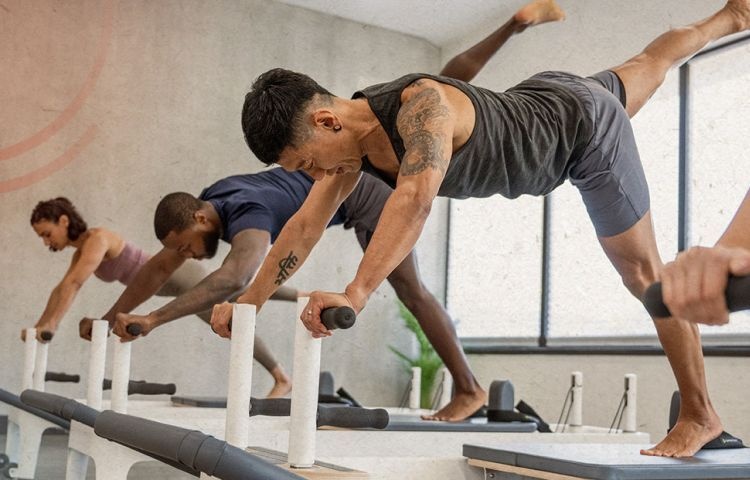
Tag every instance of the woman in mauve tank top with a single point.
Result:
(98, 251)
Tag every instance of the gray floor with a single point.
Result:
(53, 455)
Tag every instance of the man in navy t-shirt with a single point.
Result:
(248, 212)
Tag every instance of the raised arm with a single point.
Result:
(239, 266)
(426, 124)
(84, 262)
(293, 245)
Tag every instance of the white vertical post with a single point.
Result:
(576, 404)
(40, 365)
(120, 375)
(29, 358)
(630, 423)
(416, 387)
(446, 392)
(97, 360)
(240, 374)
(306, 373)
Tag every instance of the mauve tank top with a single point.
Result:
(123, 267)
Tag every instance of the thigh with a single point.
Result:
(609, 175)
(183, 279)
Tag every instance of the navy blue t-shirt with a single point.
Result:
(264, 201)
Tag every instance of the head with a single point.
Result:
(181, 223)
(58, 223)
(290, 120)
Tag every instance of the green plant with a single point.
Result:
(427, 359)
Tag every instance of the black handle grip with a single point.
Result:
(270, 407)
(338, 317)
(352, 417)
(143, 387)
(737, 295)
(151, 388)
(46, 335)
(191, 448)
(61, 377)
(134, 329)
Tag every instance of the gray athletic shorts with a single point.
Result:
(609, 173)
(364, 206)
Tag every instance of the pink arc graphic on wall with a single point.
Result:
(63, 119)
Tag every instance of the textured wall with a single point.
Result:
(114, 104)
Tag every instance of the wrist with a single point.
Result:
(357, 296)
(157, 318)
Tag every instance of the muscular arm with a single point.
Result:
(85, 261)
(426, 124)
(246, 254)
(151, 276)
(299, 236)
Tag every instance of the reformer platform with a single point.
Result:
(605, 462)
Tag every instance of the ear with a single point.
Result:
(326, 119)
(63, 221)
(200, 217)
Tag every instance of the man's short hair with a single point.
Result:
(175, 213)
(272, 116)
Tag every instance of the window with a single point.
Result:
(495, 254)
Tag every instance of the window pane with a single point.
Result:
(719, 171)
(587, 298)
(495, 261)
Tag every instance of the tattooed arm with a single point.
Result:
(426, 125)
(293, 245)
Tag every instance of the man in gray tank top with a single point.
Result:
(430, 136)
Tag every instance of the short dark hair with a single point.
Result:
(52, 210)
(174, 213)
(273, 111)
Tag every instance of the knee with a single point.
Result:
(412, 294)
(638, 277)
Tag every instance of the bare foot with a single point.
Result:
(280, 389)
(686, 438)
(740, 9)
(540, 11)
(282, 383)
(460, 408)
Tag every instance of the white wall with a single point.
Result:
(163, 105)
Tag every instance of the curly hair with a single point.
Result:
(52, 210)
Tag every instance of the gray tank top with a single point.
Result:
(523, 139)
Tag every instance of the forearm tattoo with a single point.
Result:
(418, 121)
(285, 266)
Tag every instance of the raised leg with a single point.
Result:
(438, 326)
(467, 64)
(635, 256)
(645, 72)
